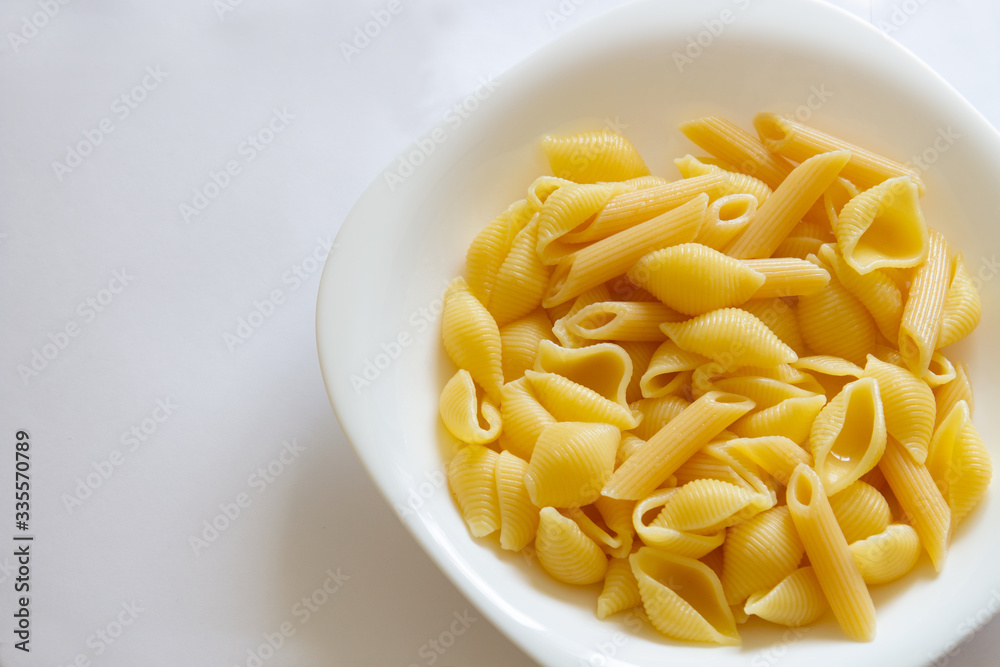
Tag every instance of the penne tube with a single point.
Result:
(785, 207)
(674, 444)
(622, 321)
(921, 323)
(830, 556)
(610, 257)
(726, 217)
(787, 276)
(798, 142)
(736, 146)
(950, 393)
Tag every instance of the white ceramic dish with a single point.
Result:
(379, 300)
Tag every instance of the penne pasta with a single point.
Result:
(725, 218)
(736, 146)
(788, 276)
(621, 321)
(921, 324)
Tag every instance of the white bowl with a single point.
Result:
(379, 301)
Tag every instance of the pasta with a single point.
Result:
(717, 397)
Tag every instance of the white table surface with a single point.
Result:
(159, 411)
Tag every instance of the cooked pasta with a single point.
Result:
(570, 463)
(849, 435)
(471, 337)
(732, 337)
(461, 410)
(921, 325)
(796, 600)
(519, 342)
(565, 552)
(589, 157)
(518, 515)
(883, 227)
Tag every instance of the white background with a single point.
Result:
(125, 540)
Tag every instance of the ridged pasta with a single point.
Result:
(566, 209)
(518, 515)
(883, 227)
(791, 418)
(685, 543)
(832, 373)
(776, 455)
(604, 368)
(567, 400)
(519, 343)
(849, 435)
(620, 321)
(472, 479)
(963, 309)
(707, 505)
(959, 462)
(570, 463)
(562, 313)
(491, 245)
(919, 498)
(542, 187)
(471, 337)
(888, 555)
(908, 404)
(666, 372)
(523, 418)
(861, 511)
(725, 218)
(610, 257)
(940, 371)
(950, 393)
(695, 279)
(876, 291)
(780, 318)
(797, 600)
(683, 598)
(797, 142)
(621, 590)
(656, 412)
(833, 322)
(836, 197)
(736, 183)
(593, 526)
(759, 554)
(736, 146)
(788, 276)
(461, 409)
(921, 324)
(522, 279)
(590, 157)
(565, 552)
(640, 352)
(830, 556)
(673, 444)
(617, 515)
(732, 337)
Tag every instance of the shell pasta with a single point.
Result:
(721, 395)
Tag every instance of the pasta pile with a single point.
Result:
(721, 396)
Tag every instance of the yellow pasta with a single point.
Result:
(589, 157)
(799, 247)
(836, 197)
(472, 478)
(780, 409)
(725, 218)
(788, 276)
(471, 337)
(849, 435)
(797, 142)
(641, 353)
(963, 309)
(604, 368)
(785, 207)
(940, 371)
(621, 590)
(883, 227)
(565, 552)
(542, 187)
(876, 291)
(736, 183)
(523, 418)
(683, 598)
(781, 318)
(921, 325)
(562, 313)
(521, 281)
(693, 544)
(948, 394)
(959, 462)
(460, 411)
(570, 463)
(620, 321)
(694, 279)
(861, 511)
(610, 257)
(732, 337)
(736, 146)
(567, 400)
(563, 211)
(797, 600)
(617, 516)
(888, 555)
(908, 404)
(831, 373)
(519, 343)
(590, 521)
(833, 322)
(673, 444)
(830, 556)
(667, 370)
(922, 503)
(776, 455)
(759, 554)
(656, 412)
(518, 515)
(708, 505)
(490, 247)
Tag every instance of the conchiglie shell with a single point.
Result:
(565, 552)
(566, 209)
(628, 446)
(732, 337)
(570, 463)
(683, 598)
(605, 368)
(959, 462)
(832, 373)
(714, 559)
(519, 343)
(641, 353)
(861, 511)
(963, 309)
(488, 250)
(796, 601)
(471, 337)
(780, 318)
(621, 321)
(617, 515)
(791, 418)
(833, 322)
(523, 418)
(471, 477)
(568, 401)
(665, 374)
(958, 389)
(695, 279)
(920, 327)
(706, 505)
(849, 435)
(593, 526)
(759, 554)
(888, 555)
(883, 227)
(776, 455)
(460, 411)
(521, 280)
(876, 291)
(560, 317)
(908, 404)
(542, 187)
(940, 371)
(720, 460)
(656, 412)
(590, 157)
(621, 590)
(690, 544)
(518, 515)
